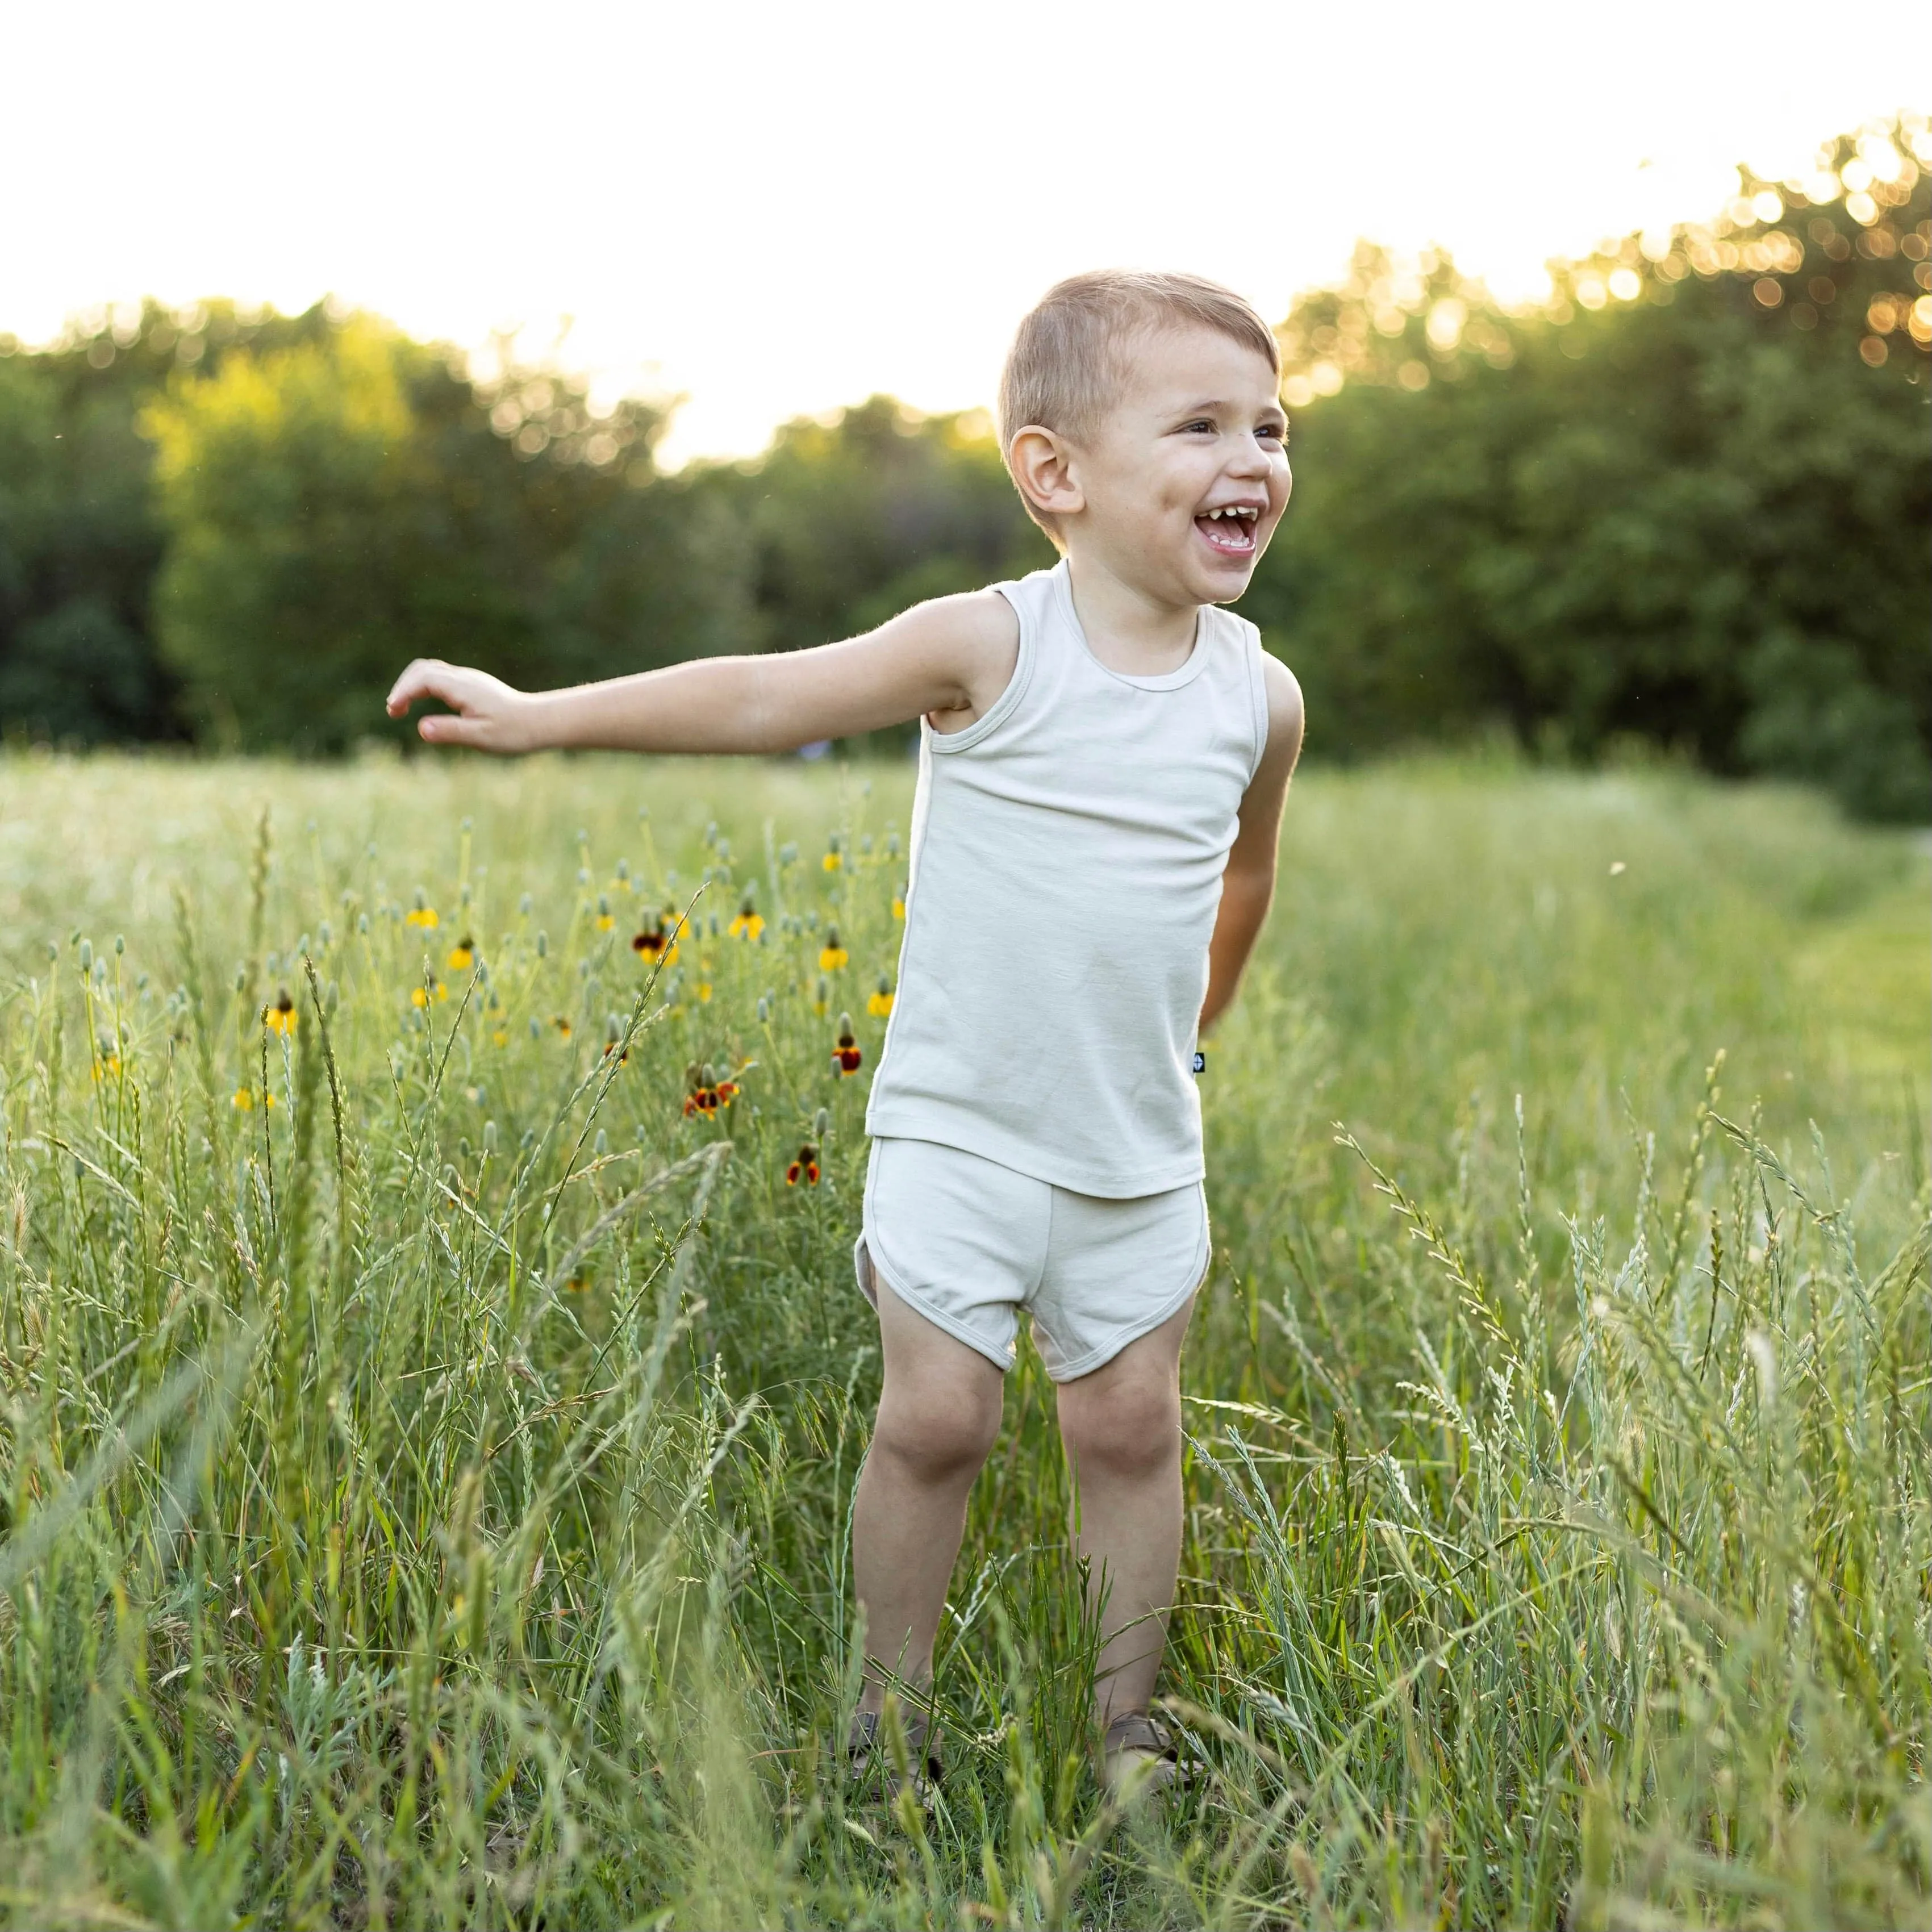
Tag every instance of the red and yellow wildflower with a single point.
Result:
(708, 1095)
(656, 944)
(846, 1054)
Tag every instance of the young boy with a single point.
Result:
(1104, 757)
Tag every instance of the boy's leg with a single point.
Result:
(1121, 1427)
(939, 1413)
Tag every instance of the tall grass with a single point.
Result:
(427, 1495)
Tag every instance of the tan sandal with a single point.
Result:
(870, 1759)
(1139, 1755)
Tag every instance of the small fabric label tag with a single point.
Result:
(1200, 1061)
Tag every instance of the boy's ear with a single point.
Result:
(1042, 463)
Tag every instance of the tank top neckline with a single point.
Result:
(1185, 672)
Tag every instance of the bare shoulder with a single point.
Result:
(973, 638)
(1283, 691)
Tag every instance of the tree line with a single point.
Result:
(1683, 500)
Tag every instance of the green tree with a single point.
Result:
(80, 540)
(338, 505)
(1683, 499)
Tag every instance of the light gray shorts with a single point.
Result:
(969, 1244)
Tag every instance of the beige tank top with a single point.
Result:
(1067, 849)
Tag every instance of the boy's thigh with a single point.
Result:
(1128, 1410)
(942, 1399)
(917, 1350)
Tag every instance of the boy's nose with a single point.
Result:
(1251, 457)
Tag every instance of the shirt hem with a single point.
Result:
(886, 1123)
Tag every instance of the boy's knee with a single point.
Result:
(936, 1435)
(1131, 1429)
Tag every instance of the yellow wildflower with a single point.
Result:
(420, 996)
(424, 917)
(899, 905)
(880, 1003)
(832, 862)
(462, 954)
(499, 1038)
(281, 1017)
(748, 924)
(832, 955)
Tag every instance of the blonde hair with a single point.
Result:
(1065, 368)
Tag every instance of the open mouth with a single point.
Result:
(1230, 530)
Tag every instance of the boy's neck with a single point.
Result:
(1128, 627)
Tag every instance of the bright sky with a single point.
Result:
(780, 209)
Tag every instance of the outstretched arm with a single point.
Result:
(1247, 887)
(951, 657)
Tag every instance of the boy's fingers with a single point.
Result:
(424, 678)
(447, 727)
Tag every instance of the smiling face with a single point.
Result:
(1179, 487)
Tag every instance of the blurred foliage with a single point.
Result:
(1683, 499)
(339, 506)
(1680, 499)
(852, 520)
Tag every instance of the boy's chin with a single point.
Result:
(1218, 579)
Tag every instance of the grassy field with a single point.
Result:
(429, 1431)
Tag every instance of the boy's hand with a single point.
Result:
(489, 715)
